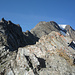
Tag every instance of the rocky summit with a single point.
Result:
(45, 50)
(44, 28)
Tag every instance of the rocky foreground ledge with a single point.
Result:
(51, 54)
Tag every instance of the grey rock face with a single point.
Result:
(5, 61)
(50, 56)
(70, 31)
(44, 28)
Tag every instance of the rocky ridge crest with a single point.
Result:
(44, 52)
(11, 35)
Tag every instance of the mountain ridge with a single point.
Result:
(44, 50)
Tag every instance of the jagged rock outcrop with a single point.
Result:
(44, 28)
(70, 32)
(11, 35)
(6, 58)
(50, 56)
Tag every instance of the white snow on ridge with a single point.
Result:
(74, 42)
(62, 26)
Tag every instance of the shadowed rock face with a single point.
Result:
(44, 28)
(11, 35)
(30, 38)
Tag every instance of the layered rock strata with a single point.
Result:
(50, 56)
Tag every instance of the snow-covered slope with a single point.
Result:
(62, 26)
(74, 42)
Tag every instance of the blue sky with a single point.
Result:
(28, 13)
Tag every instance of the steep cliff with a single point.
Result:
(11, 35)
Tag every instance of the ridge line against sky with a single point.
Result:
(28, 13)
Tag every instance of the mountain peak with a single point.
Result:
(44, 28)
(53, 22)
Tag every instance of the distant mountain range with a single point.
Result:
(47, 49)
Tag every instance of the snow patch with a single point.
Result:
(62, 26)
(74, 42)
